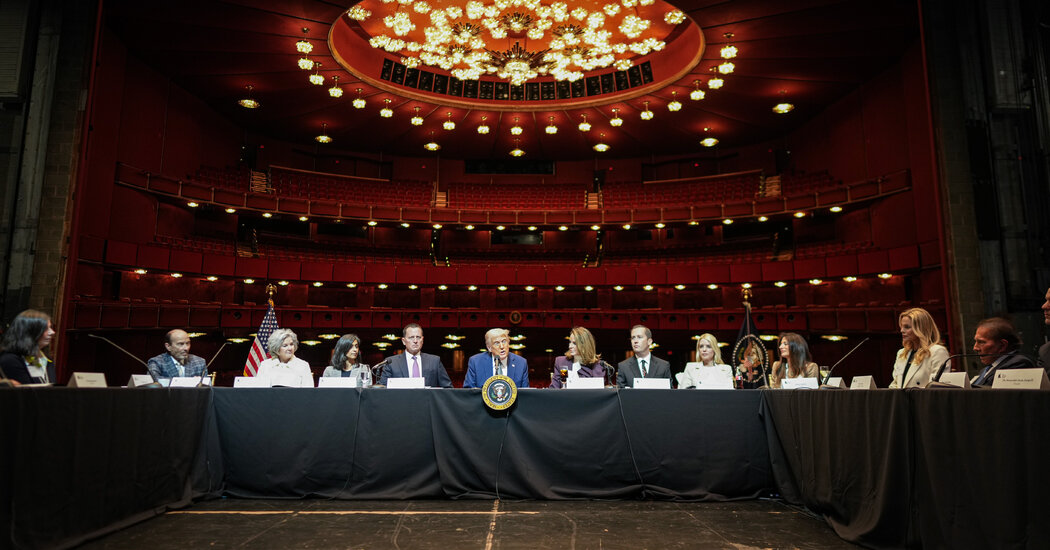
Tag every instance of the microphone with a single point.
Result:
(208, 366)
(156, 383)
(610, 371)
(377, 369)
(850, 352)
(937, 377)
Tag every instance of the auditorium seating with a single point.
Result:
(715, 189)
(332, 187)
(490, 196)
(227, 178)
(794, 183)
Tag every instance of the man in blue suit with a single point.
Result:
(497, 360)
(415, 364)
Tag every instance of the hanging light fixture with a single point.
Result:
(324, 137)
(483, 128)
(517, 152)
(601, 147)
(728, 51)
(317, 79)
(248, 102)
(783, 107)
(585, 126)
(359, 102)
(335, 90)
(646, 114)
(674, 105)
(305, 63)
(386, 112)
(551, 128)
(708, 141)
(715, 82)
(304, 46)
(515, 130)
(417, 120)
(696, 94)
(448, 124)
(672, 17)
(431, 145)
(616, 121)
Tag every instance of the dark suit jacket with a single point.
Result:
(479, 369)
(586, 371)
(1044, 357)
(14, 367)
(434, 373)
(1012, 360)
(628, 369)
(163, 366)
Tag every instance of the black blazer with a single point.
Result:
(14, 367)
(628, 369)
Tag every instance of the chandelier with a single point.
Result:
(516, 40)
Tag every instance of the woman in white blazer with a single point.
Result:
(922, 353)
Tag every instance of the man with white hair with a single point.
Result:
(497, 360)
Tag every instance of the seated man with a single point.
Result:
(997, 341)
(1044, 350)
(177, 361)
(643, 364)
(497, 360)
(414, 364)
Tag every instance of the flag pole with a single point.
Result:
(270, 291)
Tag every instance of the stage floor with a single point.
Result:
(228, 523)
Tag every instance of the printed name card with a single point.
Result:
(836, 382)
(862, 383)
(799, 383)
(189, 381)
(250, 382)
(139, 380)
(957, 379)
(404, 383)
(1020, 379)
(87, 380)
(651, 383)
(338, 382)
(586, 383)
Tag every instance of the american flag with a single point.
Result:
(259, 353)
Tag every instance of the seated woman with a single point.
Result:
(283, 368)
(795, 360)
(580, 361)
(922, 353)
(708, 355)
(23, 360)
(344, 362)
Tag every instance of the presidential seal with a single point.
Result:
(499, 392)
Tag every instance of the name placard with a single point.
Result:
(836, 382)
(862, 383)
(404, 383)
(586, 383)
(139, 380)
(189, 381)
(1020, 379)
(651, 383)
(957, 379)
(87, 380)
(800, 383)
(250, 382)
(338, 382)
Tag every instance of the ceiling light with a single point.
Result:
(351, 285)
(500, 228)
(595, 227)
(709, 142)
(212, 278)
(885, 275)
(359, 102)
(694, 222)
(660, 225)
(372, 223)
(728, 221)
(617, 288)
(381, 286)
(626, 226)
(405, 225)
(551, 128)
(305, 63)
(324, 137)
(231, 210)
(679, 287)
(585, 126)
(442, 287)
(283, 283)
(249, 281)
(674, 105)
(449, 124)
(563, 228)
(616, 121)
(176, 275)
(437, 226)
(267, 215)
(303, 218)
(483, 128)
(530, 288)
(386, 112)
(815, 281)
(532, 228)
(472, 288)
(849, 278)
(715, 82)
(728, 51)
(696, 94)
(469, 228)
(317, 79)
(318, 284)
(303, 45)
(517, 151)
(588, 288)
(834, 337)
(501, 288)
(712, 286)
(647, 287)
(600, 146)
(836, 209)
(783, 108)
(646, 114)
(800, 214)
(335, 90)
(192, 204)
(763, 218)
(745, 285)
(248, 102)
(780, 284)
(417, 120)
(674, 17)
(431, 145)
(559, 288)
(413, 287)
(726, 67)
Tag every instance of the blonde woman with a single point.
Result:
(795, 360)
(708, 356)
(580, 361)
(921, 353)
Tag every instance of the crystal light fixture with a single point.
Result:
(551, 128)
(517, 152)
(726, 67)
(335, 90)
(585, 126)
(697, 94)
(324, 137)
(783, 107)
(359, 102)
(516, 130)
(417, 120)
(248, 102)
(483, 128)
(728, 51)
(317, 79)
(386, 112)
(616, 121)
(674, 17)
(715, 82)
(647, 114)
(304, 46)
(305, 63)
(674, 105)
(600, 146)
(448, 124)
(431, 145)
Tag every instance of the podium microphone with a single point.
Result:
(937, 376)
(377, 369)
(848, 353)
(155, 384)
(610, 372)
(208, 366)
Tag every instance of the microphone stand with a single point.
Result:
(207, 367)
(610, 372)
(155, 384)
(935, 380)
(377, 369)
(850, 352)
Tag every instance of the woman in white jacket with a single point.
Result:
(708, 355)
(922, 353)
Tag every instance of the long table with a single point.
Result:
(886, 468)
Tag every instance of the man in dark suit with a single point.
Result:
(497, 360)
(997, 341)
(177, 361)
(643, 364)
(1044, 350)
(414, 364)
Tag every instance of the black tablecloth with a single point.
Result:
(700, 445)
(76, 463)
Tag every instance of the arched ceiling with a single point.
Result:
(809, 53)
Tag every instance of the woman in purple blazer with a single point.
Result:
(580, 361)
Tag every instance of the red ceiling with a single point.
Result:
(815, 51)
